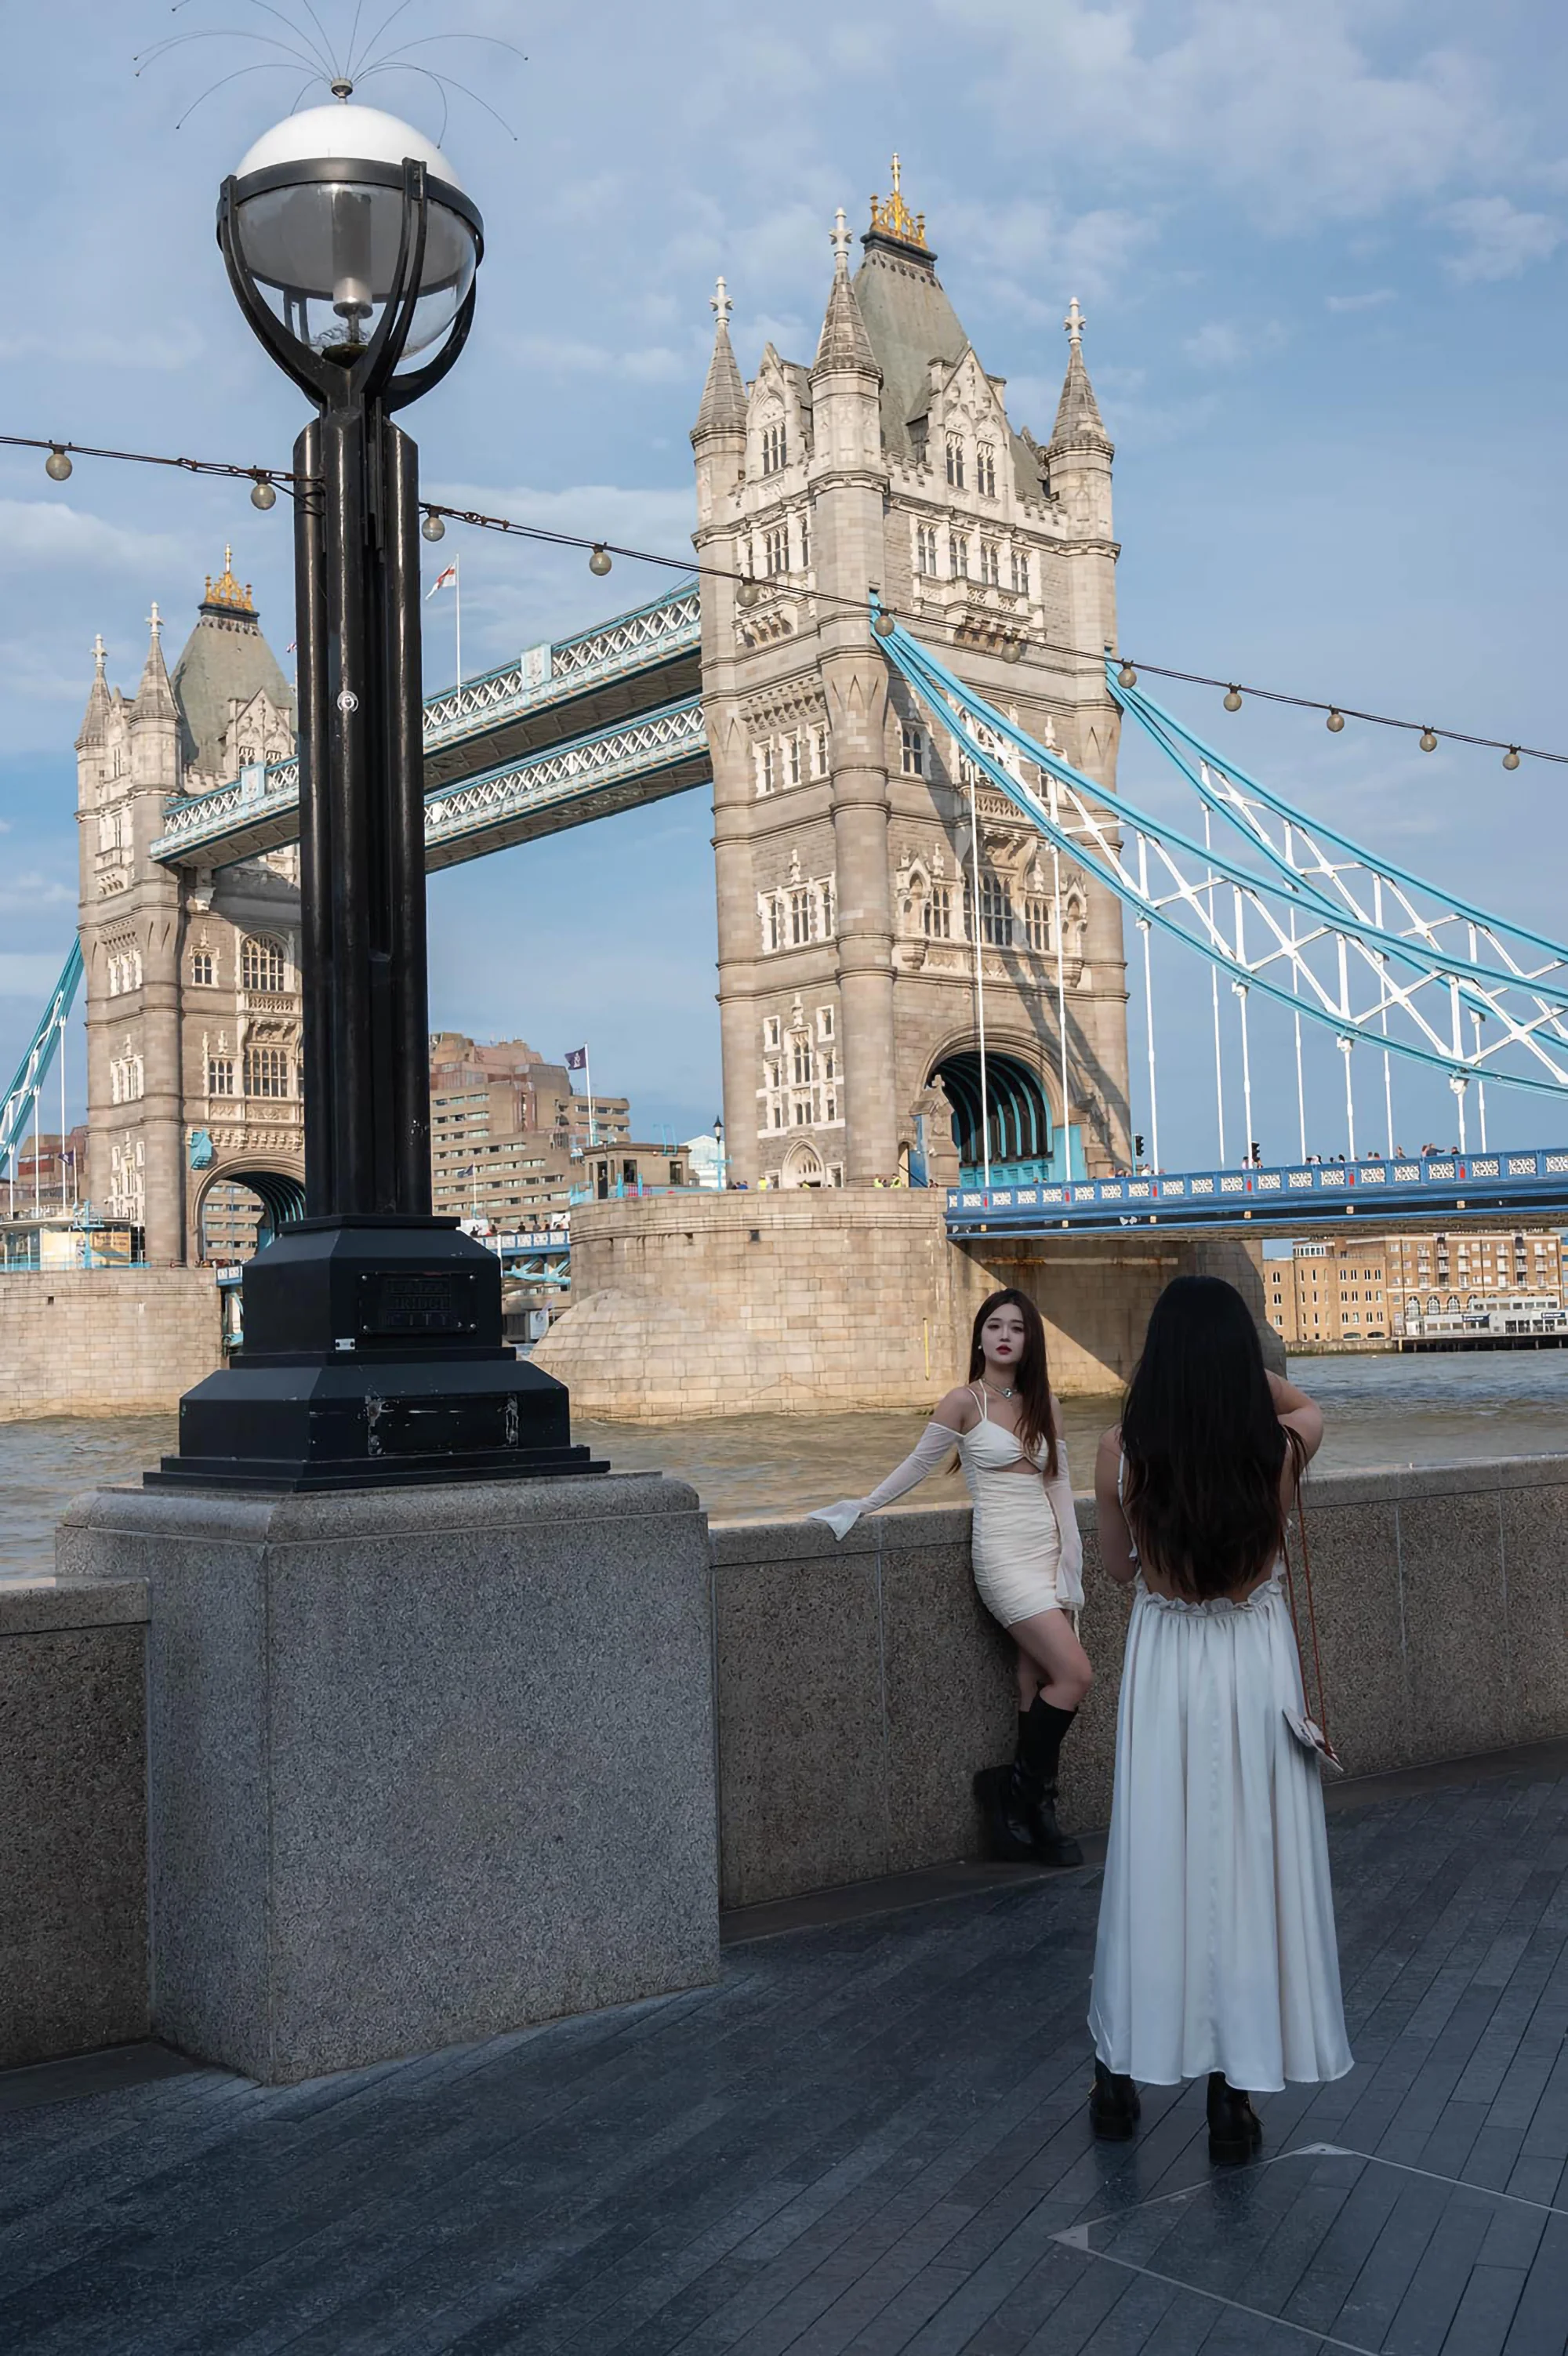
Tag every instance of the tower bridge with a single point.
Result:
(923, 862)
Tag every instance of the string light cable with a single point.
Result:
(266, 480)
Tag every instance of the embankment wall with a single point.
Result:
(857, 1687)
(105, 1341)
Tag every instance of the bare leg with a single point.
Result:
(1050, 1655)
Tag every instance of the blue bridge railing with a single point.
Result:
(1291, 1195)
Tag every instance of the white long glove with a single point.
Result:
(936, 1444)
(1069, 1562)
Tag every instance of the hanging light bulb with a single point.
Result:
(56, 466)
(1428, 741)
(1127, 675)
(1012, 651)
(749, 594)
(434, 528)
(262, 494)
(1335, 722)
(1510, 758)
(1232, 699)
(599, 562)
(884, 626)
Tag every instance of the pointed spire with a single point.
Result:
(94, 720)
(723, 409)
(155, 697)
(1078, 411)
(844, 342)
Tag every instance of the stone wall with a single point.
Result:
(104, 1341)
(73, 1839)
(861, 1684)
(696, 1305)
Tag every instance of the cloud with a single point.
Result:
(568, 356)
(1497, 239)
(21, 893)
(1369, 301)
(1281, 103)
(51, 532)
(162, 349)
(25, 975)
(1031, 243)
(1220, 344)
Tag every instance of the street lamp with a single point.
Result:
(373, 1351)
(719, 1142)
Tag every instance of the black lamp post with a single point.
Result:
(373, 1351)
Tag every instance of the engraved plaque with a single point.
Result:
(394, 1303)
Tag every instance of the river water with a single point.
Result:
(1379, 1411)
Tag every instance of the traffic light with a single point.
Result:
(1257, 1153)
(1137, 1149)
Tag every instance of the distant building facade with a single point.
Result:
(1380, 1287)
(508, 1133)
(849, 893)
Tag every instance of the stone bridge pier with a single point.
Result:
(812, 1302)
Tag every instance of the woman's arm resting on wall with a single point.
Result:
(931, 1451)
(1115, 1539)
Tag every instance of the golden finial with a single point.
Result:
(893, 219)
(226, 590)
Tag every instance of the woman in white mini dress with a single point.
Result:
(1026, 1555)
(1215, 1953)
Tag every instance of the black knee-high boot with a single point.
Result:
(1019, 1800)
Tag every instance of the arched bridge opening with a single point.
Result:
(242, 1209)
(1001, 1118)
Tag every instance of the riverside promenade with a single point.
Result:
(870, 2137)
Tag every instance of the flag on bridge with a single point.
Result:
(446, 580)
(576, 1059)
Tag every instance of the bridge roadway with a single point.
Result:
(599, 724)
(1431, 1190)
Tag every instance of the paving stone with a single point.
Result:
(864, 2142)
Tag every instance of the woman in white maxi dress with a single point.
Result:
(1215, 1951)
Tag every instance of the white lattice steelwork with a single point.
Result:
(1281, 903)
(615, 756)
(260, 810)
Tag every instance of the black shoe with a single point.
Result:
(1114, 2106)
(1235, 2130)
(1052, 1846)
(1009, 1826)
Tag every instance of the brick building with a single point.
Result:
(1374, 1288)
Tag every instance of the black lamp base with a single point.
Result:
(373, 1359)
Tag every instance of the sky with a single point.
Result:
(1321, 251)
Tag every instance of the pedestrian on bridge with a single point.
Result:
(1005, 1425)
(1216, 1951)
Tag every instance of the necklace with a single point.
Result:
(993, 1389)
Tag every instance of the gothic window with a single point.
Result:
(775, 921)
(937, 912)
(1037, 923)
(802, 1059)
(802, 1113)
(957, 555)
(800, 917)
(821, 752)
(827, 900)
(124, 967)
(830, 1107)
(792, 752)
(776, 549)
(220, 1075)
(125, 1077)
(773, 449)
(995, 912)
(770, 780)
(805, 543)
(955, 462)
(985, 471)
(266, 1072)
(825, 1025)
(991, 564)
(1021, 572)
(261, 963)
(770, 1030)
(926, 550)
(202, 971)
(914, 745)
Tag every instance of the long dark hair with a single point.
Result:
(1203, 1443)
(1031, 1384)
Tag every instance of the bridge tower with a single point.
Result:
(847, 896)
(192, 976)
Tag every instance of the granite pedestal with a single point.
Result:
(424, 1764)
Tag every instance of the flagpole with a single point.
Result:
(458, 610)
(588, 1084)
